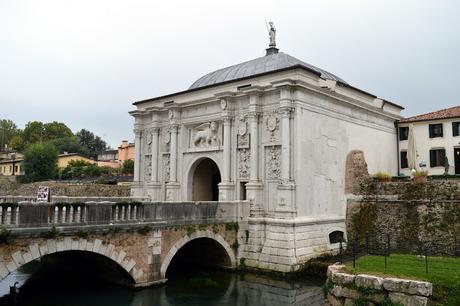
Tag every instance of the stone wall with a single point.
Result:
(414, 215)
(8, 188)
(349, 289)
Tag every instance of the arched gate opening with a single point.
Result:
(205, 181)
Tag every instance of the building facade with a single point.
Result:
(437, 136)
(126, 151)
(275, 131)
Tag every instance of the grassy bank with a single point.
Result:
(443, 273)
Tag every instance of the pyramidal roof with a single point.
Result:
(271, 62)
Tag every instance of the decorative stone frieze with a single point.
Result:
(166, 167)
(147, 168)
(206, 135)
(273, 162)
(243, 163)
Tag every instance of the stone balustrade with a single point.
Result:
(31, 215)
(349, 289)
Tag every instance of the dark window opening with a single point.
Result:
(336, 237)
(243, 86)
(404, 163)
(455, 128)
(242, 191)
(435, 130)
(437, 157)
(403, 133)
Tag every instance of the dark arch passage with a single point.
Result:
(197, 254)
(205, 181)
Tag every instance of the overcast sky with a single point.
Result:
(84, 62)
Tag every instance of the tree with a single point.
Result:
(69, 144)
(8, 130)
(33, 132)
(127, 167)
(93, 143)
(55, 130)
(40, 162)
(17, 143)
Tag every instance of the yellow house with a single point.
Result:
(64, 159)
(10, 166)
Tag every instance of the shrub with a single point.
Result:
(127, 167)
(383, 176)
(5, 236)
(420, 173)
(40, 162)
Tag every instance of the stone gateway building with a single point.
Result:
(274, 131)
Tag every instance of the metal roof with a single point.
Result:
(261, 65)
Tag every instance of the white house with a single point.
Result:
(275, 131)
(437, 135)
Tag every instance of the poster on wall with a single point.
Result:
(44, 194)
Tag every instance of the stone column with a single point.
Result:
(173, 156)
(286, 189)
(285, 145)
(137, 186)
(138, 154)
(154, 186)
(254, 188)
(254, 140)
(154, 177)
(227, 187)
(227, 150)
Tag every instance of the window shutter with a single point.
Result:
(430, 128)
(455, 126)
(432, 158)
(442, 133)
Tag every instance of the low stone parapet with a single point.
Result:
(349, 289)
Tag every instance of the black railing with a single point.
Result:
(353, 249)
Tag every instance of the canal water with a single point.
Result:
(192, 287)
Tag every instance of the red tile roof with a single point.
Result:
(451, 112)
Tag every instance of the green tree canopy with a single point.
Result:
(69, 144)
(8, 130)
(127, 167)
(33, 132)
(55, 130)
(40, 162)
(94, 143)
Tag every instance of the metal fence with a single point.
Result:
(353, 249)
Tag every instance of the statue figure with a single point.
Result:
(206, 134)
(272, 34)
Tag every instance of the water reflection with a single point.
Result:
(190, 288)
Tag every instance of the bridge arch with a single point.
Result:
(34, 251)
(218, 239)
(203, 175)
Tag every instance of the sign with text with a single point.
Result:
(43, 194)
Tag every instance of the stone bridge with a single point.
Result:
(130, 242)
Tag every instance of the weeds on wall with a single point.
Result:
(5, 236)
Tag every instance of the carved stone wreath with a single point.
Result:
(273, 162)
(272, 124)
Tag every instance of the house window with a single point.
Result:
(404, 163)
(455, 128)
(437, 157)
(435, 130)
(403, 133)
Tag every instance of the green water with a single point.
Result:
(214, 287)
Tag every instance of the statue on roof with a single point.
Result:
(272, 34)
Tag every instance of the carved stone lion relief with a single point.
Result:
(166, 167)
(273, 162)
(206, 135)
(244, 156)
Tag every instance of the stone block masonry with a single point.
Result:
(349, 289)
